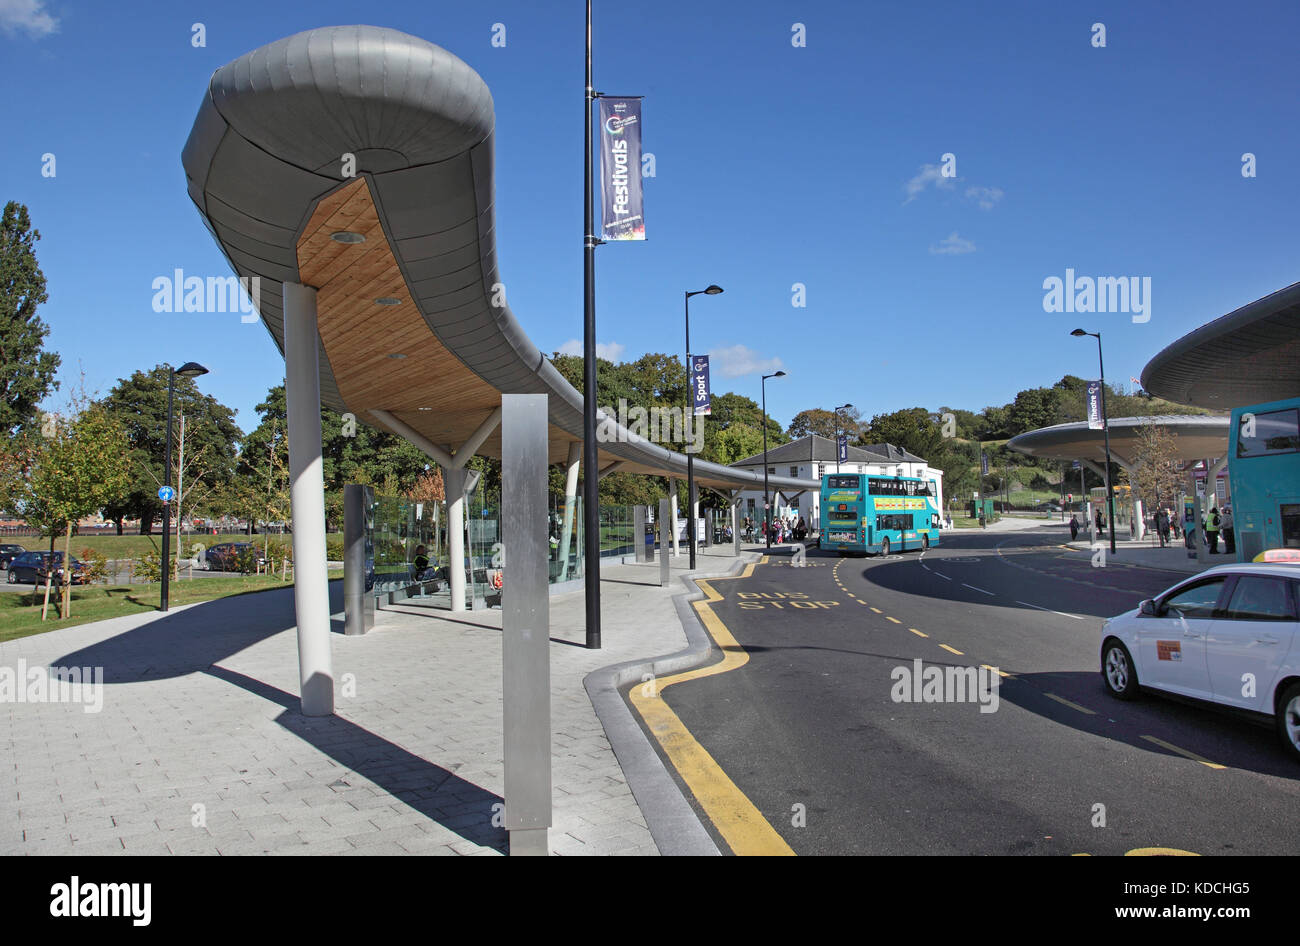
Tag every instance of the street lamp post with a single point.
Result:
(767, 512)
(1105, 426)
(844, 407)
(188, 370)
(690, 407)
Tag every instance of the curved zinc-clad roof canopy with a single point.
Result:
(1249, 356)
(265, 164)
(1195, 436)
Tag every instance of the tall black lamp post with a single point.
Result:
(690, 407)
(1105, 426)
(188, 370)
(843, 407)
(767, 512)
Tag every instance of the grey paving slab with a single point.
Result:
(200, 708)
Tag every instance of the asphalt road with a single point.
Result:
(810, 731)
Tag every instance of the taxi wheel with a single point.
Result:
(1288, 719)
(1118, 671)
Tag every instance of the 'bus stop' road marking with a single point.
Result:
(739, 822)
(1184, 753)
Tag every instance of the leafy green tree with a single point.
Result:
(26, 370)
(78, 469)
(140, 405)
(826, 423)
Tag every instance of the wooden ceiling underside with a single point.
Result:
(431, 390)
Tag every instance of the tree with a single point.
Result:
(140, 404)
(26, 370)
(1155, 478)
(826, 423)
(76, 471)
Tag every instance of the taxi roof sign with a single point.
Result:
(1278, 555)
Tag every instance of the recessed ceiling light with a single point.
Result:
(425, 408)
(347, 236)
(388, 300)
(397, 354)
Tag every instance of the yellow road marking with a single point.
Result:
(1000, 673)
(953, 650)
(918, 633)
(1064, 702)
(895, 620)
(741, 825)
(877, 610)
(1184, 753)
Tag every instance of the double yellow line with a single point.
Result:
(741, 825)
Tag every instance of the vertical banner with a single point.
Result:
(700, 384)
(620, 170)
(984, 463)
(843, 447)
(1094, 405)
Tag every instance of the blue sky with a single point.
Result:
(776, 165)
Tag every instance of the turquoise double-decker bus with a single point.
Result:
(862, 513)
(1264, 475)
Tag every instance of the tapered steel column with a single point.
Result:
(311, 592)
(570, 506)
(453, 481)
(526, 623)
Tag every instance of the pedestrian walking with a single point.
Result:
(1074, 527)
(1162, 526)
(1101, 523)
(1229, 537)
(1212, 530)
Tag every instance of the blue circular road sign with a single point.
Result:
(166, 493)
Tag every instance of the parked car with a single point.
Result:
(29, 568)
(8, 553)
(78, 570)
(224, 556)
(1227, 636)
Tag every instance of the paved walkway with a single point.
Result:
(200, 747)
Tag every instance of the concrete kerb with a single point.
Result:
(672, 821)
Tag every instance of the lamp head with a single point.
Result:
(191, 369)
(1078, 333)
(713, 291)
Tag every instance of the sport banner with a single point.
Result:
(1094, 405)
(622, 215)
(700, 384)
(842, 448)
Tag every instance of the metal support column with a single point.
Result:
(453, 481)
(311, 590)
(666, 531)
(358, 605)
(570, 506)
(639, 547)
(672, 485)
(526, 624)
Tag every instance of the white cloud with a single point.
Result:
(610, 351)
(929, 174)
(738, 360)
(27, 15)
(953, 246)
(986, 197)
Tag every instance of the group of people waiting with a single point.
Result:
(783, 529)
(1215, 523)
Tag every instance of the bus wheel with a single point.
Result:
(925, 543)
(884, 546)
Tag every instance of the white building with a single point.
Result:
(813, 456)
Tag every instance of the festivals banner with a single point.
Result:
(622, 212)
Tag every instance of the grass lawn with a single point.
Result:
(19, 618)
(133, 546)
(959, 522)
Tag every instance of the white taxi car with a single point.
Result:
(1226, 636)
